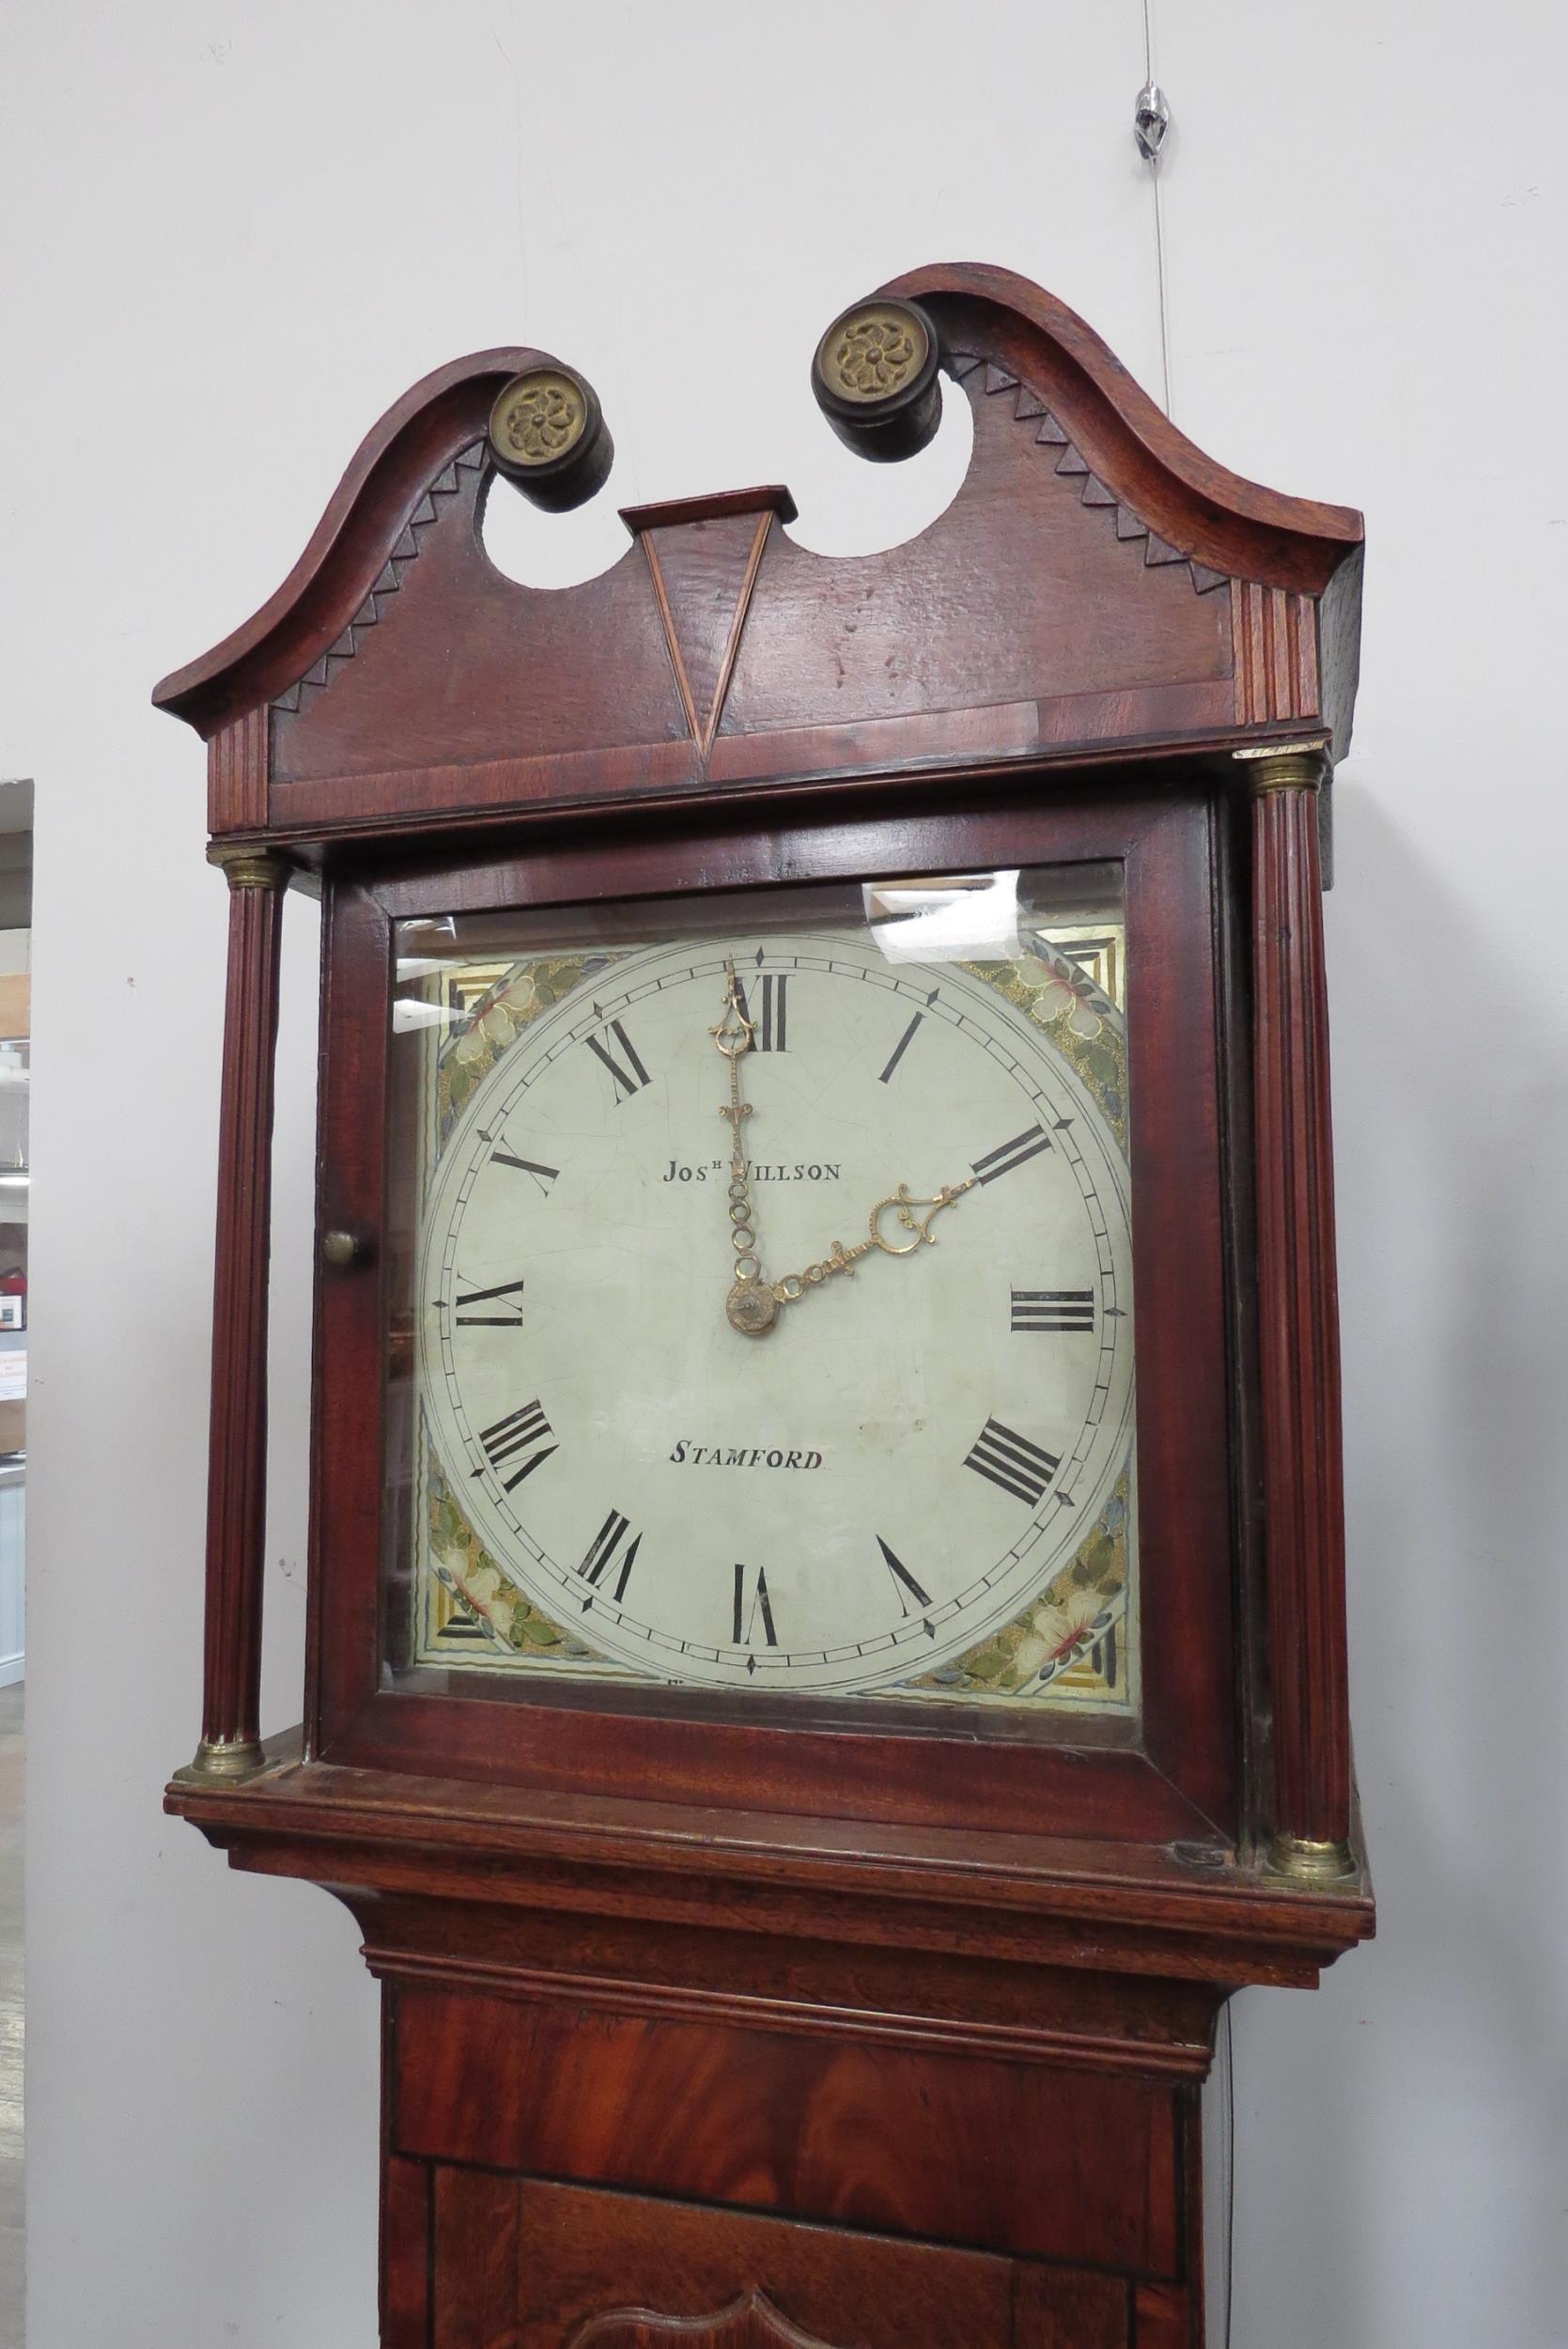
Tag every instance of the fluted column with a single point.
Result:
(237, 1456)
(1298, 1324)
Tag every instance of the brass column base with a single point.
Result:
(1305, 1861)
(226, 1758)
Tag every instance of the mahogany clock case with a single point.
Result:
(761, 2024)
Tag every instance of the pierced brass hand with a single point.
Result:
(753, 1303)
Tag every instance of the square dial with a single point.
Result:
(764, 1294)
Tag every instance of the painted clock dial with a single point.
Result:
(905, 1469)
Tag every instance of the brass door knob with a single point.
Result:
(341, 1249)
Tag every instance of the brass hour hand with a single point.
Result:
(907, 1217)
(909, 1220)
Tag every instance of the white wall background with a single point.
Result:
(234, 233)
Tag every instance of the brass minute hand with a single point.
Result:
(753, 1303)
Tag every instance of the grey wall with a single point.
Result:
(237, 235)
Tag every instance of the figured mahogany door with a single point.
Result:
(474, 2261)
(557, 2174)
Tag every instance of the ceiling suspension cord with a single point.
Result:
(1151, 155)
(1152, 120)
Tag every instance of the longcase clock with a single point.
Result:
(826, 1651)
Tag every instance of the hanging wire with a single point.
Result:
(1164, 319)
(1159, 217)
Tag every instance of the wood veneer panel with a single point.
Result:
(464, 664)
(405, 2251)
(585, 2251)
(905, 2143)
(1166, 2317)
(1199, 505)
(388, 477)
(347, 1439)
(889, 757)
(570, 1738)
(1069, 606)
(475, 2235)
(1013, 731)
(832, 1988)
(1170, 1918)
(1053, 2310)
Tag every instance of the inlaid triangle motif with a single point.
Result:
(703, 573)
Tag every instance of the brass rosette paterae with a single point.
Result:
(547, 435)
(876, 378)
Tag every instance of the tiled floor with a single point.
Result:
(10, 2017)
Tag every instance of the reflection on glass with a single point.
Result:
(792, 1358)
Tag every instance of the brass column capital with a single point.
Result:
(250, 868)
(1284, 766)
